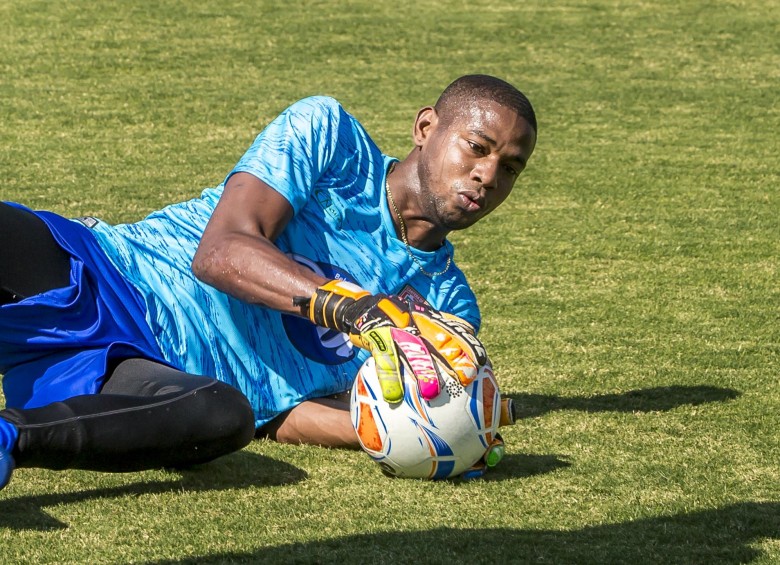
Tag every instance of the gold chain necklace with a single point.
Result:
(406, 241)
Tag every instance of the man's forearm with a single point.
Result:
(255, 271)
(322, 421)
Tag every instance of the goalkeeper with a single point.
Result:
(248, 309)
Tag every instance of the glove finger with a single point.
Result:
(465, 368)
(492, 457)
(388, 366)
(508, 414)
(456, 362)
(419, 360)
(494, 453)
(452, 319)
(443, 333)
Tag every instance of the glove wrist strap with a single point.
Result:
(329, 304)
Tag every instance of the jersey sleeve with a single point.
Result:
(293, 151)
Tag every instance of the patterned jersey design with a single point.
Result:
(323, 162)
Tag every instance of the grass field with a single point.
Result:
(630, 285)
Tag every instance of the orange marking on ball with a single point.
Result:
(367, 429)
(488, 395)
(361, 387)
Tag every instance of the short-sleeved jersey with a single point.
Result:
(323, 162)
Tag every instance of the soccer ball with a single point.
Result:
(433, 439)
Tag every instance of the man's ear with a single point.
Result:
(424, 124)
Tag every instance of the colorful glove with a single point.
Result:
(451, 339)
(354, 311)
(342, 306)
(495, 452)
(385, 344)
(490, 459)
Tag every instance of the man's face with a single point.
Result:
(469, 163)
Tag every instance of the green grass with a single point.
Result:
(629, 285)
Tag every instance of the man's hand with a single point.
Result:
(385, 344)
(491, 458)
(355, 311)
(452, 340)
(496, 450)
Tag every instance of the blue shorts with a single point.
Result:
(58, 344)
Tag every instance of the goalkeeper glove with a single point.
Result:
(348, 308)
(385, 343)
(496, 450)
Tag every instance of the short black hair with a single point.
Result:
(470, 88)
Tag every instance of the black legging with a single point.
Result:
(147, 415)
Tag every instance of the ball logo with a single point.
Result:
(323, 345)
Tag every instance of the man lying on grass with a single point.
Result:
(171, 341)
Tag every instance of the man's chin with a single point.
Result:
(454, 224)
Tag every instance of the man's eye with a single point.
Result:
(475, 147)
(510, 170)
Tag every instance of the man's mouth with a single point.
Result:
(471, 201)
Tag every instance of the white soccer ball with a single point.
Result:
(433, 439)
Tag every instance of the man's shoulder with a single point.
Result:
(327, 120)
(317, 105)
(319, 113)
(321, 100)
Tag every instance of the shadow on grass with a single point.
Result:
(235, 471)
(658, 399)
(723, 535)
(513, 466)
(521, 465)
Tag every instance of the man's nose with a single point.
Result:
(486, 172)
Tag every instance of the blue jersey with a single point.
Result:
(323, 162)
